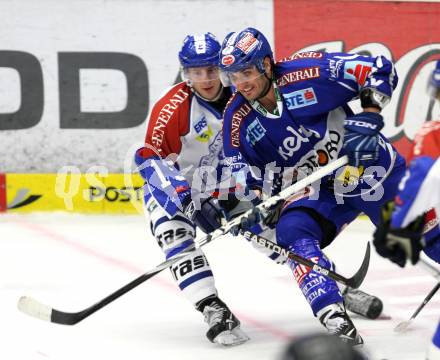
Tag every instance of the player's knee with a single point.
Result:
(173, 235)
(298, 229)
(305, 247)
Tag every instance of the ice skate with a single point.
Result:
(224, 327)
(337, 322)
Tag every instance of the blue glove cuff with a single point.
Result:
(366, 123)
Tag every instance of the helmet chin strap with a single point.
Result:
(266, 89)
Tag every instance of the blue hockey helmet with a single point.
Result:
(199, 50)
(434, 82)
(243, 49)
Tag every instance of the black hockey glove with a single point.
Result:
(400, 244)
(270, 219)
(208, 216)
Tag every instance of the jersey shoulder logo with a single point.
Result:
(357, 71)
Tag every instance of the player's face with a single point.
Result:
(205, 80)
(250, 82)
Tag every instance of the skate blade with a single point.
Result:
(231, 337)
(357, 342)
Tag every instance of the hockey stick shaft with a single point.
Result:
(355, 281)
(33, 307)
(426, 300)
(404, 325)
(436, 273)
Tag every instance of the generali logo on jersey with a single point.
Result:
(237, 118)
(413, 54)
(299, 75)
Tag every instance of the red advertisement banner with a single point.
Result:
(406, 32)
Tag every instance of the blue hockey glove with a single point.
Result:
(361, 140)
(398, 244)
(268, 218)
(247, 222)
(208, 217)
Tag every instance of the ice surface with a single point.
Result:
(71, 261)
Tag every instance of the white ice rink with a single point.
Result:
(72, 261)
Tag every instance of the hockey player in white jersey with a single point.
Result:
(410, 223)
(184, 130)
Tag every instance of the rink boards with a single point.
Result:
(83, 193)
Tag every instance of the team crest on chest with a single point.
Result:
(203, 130)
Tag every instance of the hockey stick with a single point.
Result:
(403, 326)
(354, 282)
(34, 308)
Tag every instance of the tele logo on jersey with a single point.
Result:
(255, 132)
(300, 98)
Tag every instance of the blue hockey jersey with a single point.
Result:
(312, 91)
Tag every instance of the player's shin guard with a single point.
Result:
(318, 289)
(193, 274)
(323, 293)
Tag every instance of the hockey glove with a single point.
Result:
(247, 222)
(268, 218)
(361, 140)
(400, 244)
(208, 217)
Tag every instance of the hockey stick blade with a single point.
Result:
(34, 308)
(355, 281)
(403, 326)
(358, 278)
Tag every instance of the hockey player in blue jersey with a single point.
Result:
(410, 223)
(290, 117)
